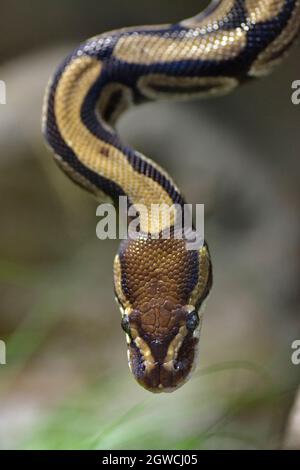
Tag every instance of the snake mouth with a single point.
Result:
(163, 376)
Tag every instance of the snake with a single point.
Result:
(161, 286)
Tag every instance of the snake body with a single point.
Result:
(159, 284)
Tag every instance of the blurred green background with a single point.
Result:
(66, 384)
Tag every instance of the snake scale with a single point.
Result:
(159, 284)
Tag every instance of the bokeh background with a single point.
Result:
(66, 384)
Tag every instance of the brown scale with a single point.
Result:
(160, 276)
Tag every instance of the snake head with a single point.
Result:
(162, 358)
(160, 287)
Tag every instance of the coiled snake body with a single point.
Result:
(159, 284)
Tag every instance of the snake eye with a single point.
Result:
(192, 321)
(125, 324)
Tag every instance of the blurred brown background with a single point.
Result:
(66, 383)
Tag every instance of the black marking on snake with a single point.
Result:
(113, 104)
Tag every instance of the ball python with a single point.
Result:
(159, 284)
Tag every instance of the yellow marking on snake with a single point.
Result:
(263, 10)
(175, 346)
(118, 283)
(145, 351)
(204, 267)
(150, 84)
(143, 49)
